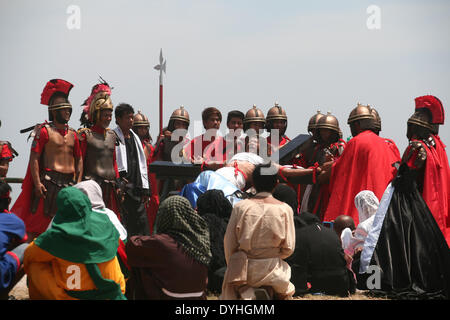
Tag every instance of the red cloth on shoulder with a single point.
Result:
(365, 164)
(436, 185)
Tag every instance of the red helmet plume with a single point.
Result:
(434, 105)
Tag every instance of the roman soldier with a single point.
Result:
(179, 120)
(98, 143)
(174, 138)
(277, 119)
(426, 155)
(254, 123)
(141, 127)
(55, 160)
(304, 158)
(367, 163)
(329, 147)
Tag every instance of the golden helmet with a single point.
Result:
(254, 115)
(180, 114)
(313, 121)
(328, 121)
(276, 113)
(377, 119)
(360, 112)
(140, 120)
(101, 101)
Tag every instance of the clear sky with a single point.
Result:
(229, 54)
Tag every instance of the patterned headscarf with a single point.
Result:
(367, 204)
(178, 219)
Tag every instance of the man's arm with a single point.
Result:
(78, 169)
(39, 188)
(298, 175)
(78, 156)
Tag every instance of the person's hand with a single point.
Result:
(167, 134)
(329, 157)
(326, 166)
(40, 191)
(357, 253)
(120, 195)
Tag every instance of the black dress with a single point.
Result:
(411, 251)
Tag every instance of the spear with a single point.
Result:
(161, 67)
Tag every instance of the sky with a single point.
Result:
(305, 55)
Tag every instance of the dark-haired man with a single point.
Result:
(132, 167)
(260, 234)
(55, 160)
(195, 150)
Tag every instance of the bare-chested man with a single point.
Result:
(55, 160)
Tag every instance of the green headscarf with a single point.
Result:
(79, 234)
(176, 218)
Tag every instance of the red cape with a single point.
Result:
(436, 185)
(365, 164)
(34, 222)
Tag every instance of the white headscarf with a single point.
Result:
(94, 193)
(367, 204)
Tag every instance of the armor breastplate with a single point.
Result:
(58, 152)
(99, 159)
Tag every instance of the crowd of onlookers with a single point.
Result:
(262, 248)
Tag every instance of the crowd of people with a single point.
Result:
(93, 220)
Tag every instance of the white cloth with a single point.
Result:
(305, 199)
(374, 233)
(247, 156)
(229, 174)
(121, 156)
(367, 204)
